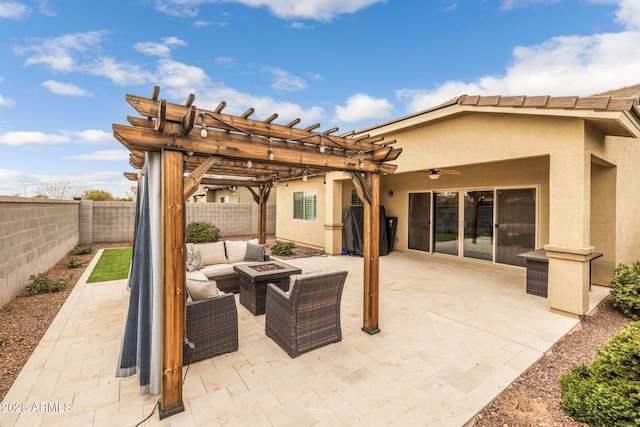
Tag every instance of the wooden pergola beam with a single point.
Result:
(192, 182)
(240, 146)
(175, 112)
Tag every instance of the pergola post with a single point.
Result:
(261, 199)
(371, 253)
(173, 283)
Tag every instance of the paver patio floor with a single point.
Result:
(453, 335)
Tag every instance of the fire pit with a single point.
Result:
(254, 279)
(266, 267)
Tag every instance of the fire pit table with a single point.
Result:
(254, 278)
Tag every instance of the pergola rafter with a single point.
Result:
(215, 148)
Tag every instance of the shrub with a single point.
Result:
(3, 341)
(74, 263)
(41, 283)
(282, 248)
(202, 232)
(606, 392)
(82, 250)
(625, 289)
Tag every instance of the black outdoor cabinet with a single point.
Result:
(353, 235)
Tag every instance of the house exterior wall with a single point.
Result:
(309, 233)
(585, 183)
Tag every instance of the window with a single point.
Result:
(304, 205)
(224, 199)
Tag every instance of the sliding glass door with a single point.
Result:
(446, 222)
(478, 225)
(516, 224)
(419, 221)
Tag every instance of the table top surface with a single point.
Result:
(541, 255)
(283, 270)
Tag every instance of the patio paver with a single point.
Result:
(453, 335)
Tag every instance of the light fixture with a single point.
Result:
(434, 174)
(304, 176)
(249, 164)
(271, 155)
(203, 132)
(361, 163)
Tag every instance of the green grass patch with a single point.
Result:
(113, 264)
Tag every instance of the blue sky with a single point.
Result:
(65, 67)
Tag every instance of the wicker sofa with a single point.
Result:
(216, 260)
(212, 327)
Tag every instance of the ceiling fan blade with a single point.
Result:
(449, 171)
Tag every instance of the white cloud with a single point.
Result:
(159, 49)
(6, 102)
(180, 78)
(60, 88)
(102, 155)
(285, 82)
(363, 107)
(566, 65)
(92, 136)
(119, 73)
(517, 4)
(225, 60)
(59, 53)
(13, 10)
(320, 10)
(45, 9)
(31, 138)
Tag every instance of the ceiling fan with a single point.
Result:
(435, 173)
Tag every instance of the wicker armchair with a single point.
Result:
(309, 317)
(212, 326)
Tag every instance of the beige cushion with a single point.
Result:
(200, 287)
(235, 250)
(211, 253)
(217, 270)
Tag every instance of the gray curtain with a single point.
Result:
(140, 348)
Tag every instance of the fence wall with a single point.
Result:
(36, 233)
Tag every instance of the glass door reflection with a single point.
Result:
(478, 225)
(446, 222)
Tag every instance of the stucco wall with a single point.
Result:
(34, 235)
(311, 233)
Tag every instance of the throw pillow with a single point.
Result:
(202, 289)
(254, 252)
(193, 261)
(212, 253)
(235, 250)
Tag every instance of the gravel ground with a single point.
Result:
(531, 400)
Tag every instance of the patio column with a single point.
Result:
(333, 216)
(173, 283)
(569, 230)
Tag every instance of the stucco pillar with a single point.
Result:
(333, 215)
(569, 228)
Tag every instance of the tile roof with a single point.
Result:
(618, 100)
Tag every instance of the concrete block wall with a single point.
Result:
(111, 221)
(34, 235)
(233, 219)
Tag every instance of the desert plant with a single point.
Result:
(606, 392)
(625, 289)
(282, 248)
(82, 250)
(3, 341)
(41, 283)
(74, 263)
(202, 232)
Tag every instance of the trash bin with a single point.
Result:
(392, 224)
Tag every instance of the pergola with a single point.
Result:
(199, 146)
